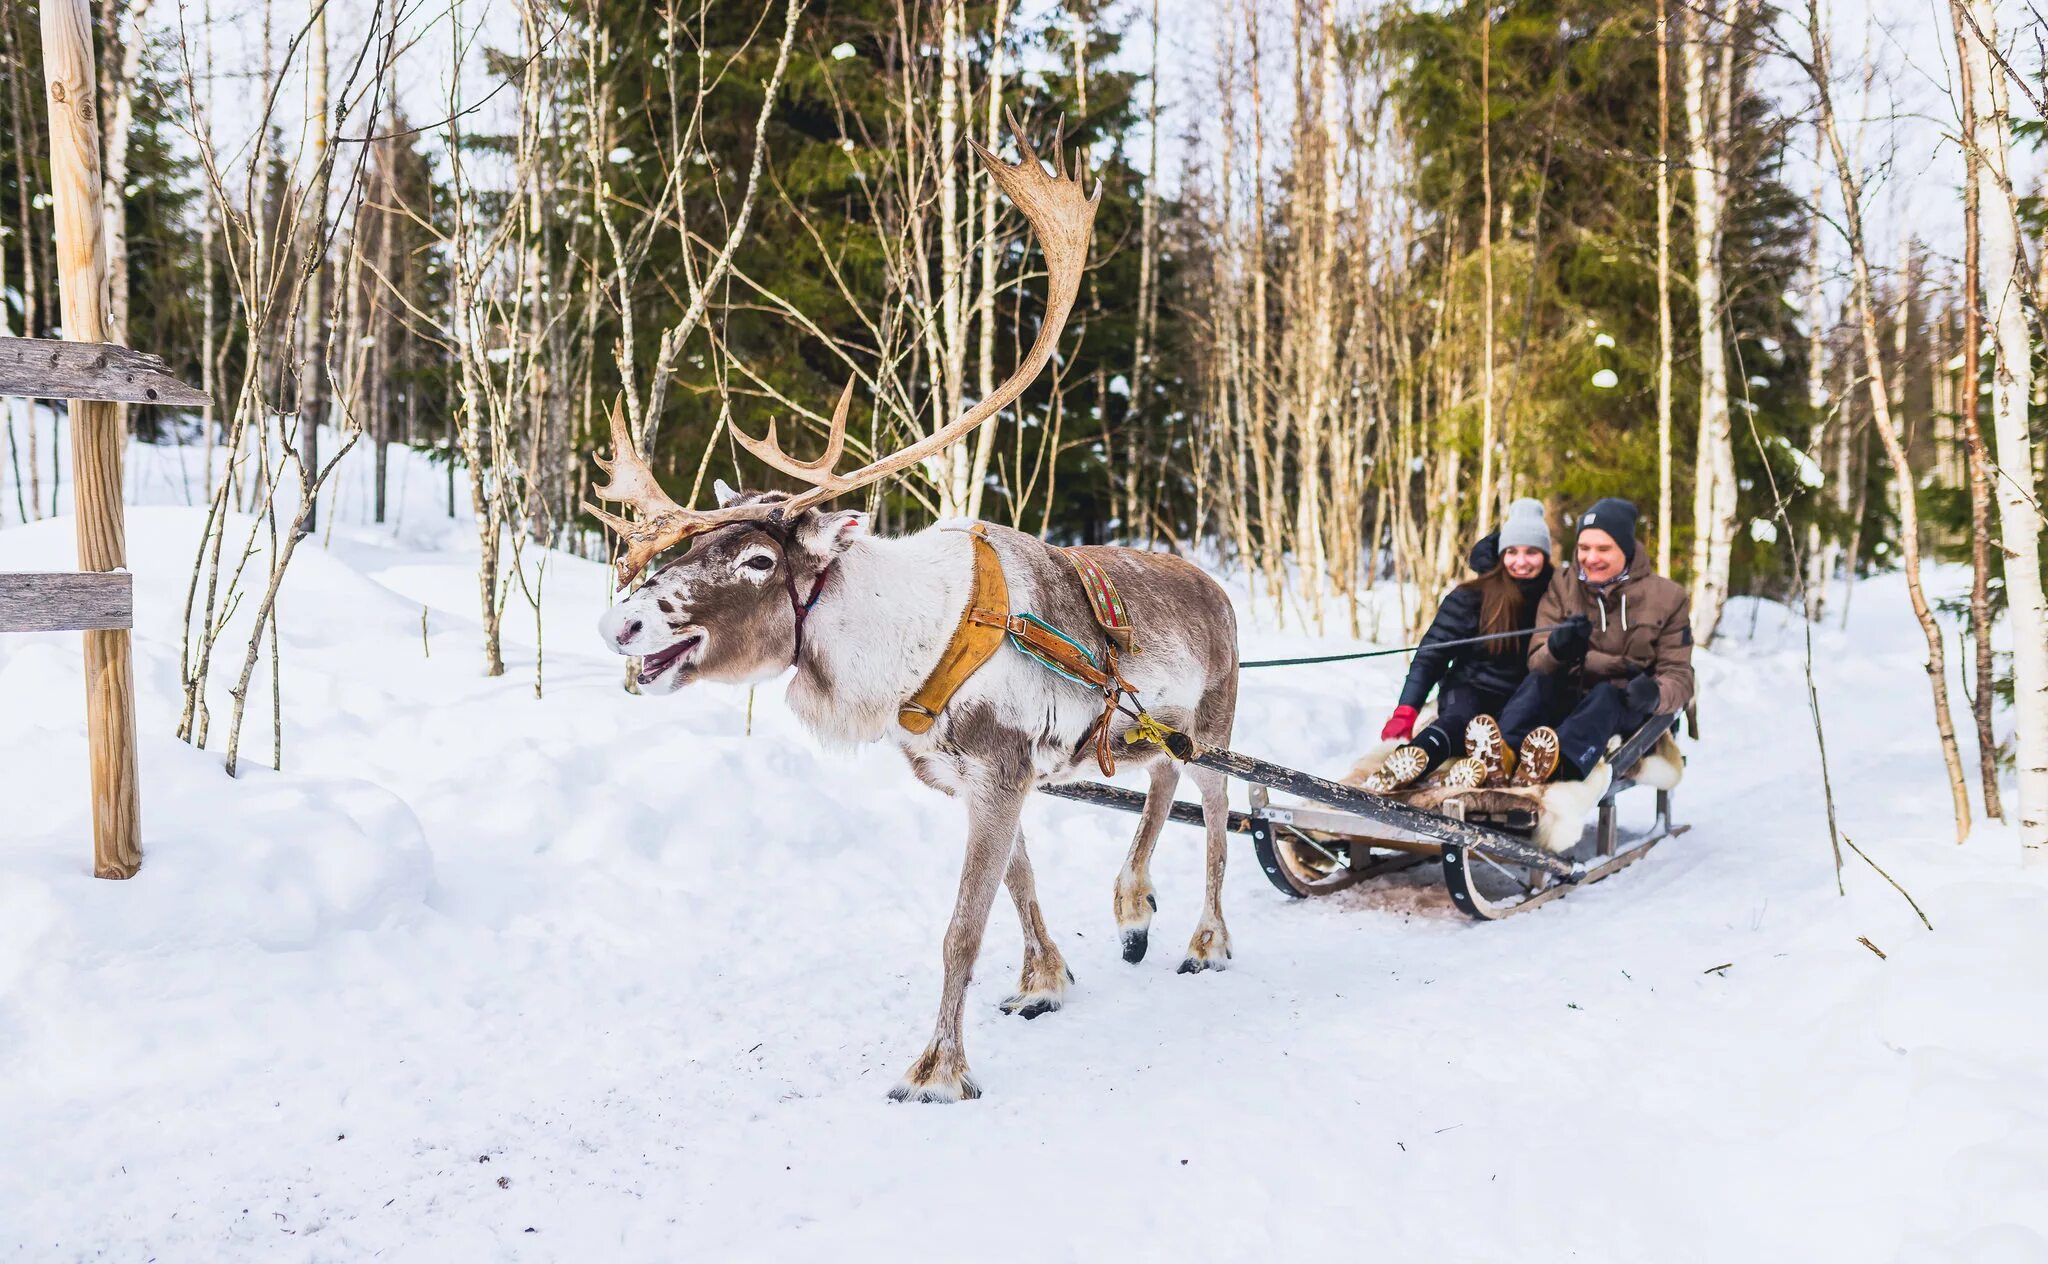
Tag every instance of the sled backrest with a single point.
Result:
(1626, 756)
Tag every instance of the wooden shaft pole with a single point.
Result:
(97, 429)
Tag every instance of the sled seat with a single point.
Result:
(1554, 815)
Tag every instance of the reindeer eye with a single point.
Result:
(759, 562)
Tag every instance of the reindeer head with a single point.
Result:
(730, 608)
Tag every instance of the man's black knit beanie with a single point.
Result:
(1617, 518)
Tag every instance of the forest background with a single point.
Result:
(1363, 272)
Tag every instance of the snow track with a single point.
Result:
(656, 975)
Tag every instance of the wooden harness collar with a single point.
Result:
(986, 623)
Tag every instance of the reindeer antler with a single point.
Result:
(663, 523)
(1062, 217)
(818, 473)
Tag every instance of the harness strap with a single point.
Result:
(979, 634)
(985, 624)
(1061, 653)
(1108, 604)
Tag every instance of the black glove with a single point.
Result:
(1569, 643)
(1642, 693)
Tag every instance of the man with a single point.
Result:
(1623, 655)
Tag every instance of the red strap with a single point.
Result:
(803, 608)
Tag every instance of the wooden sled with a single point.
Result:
(1500, 850)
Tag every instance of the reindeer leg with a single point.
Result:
(940, 1072)
(1043, 986)
(1135, 902)
(1210, 947)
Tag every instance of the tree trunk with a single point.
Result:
(1819, 558)
(1486, 491)
(312, 351)
(1714, 470)
(1881, 421)
(26, 221)
(1663, 289)
(950, 355)
(121, 63)
(1984, 698)
(2001, 268)
(1136, 415)
(985, 297)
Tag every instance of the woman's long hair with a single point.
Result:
(1500, 609)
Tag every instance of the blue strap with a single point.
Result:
(1084, 651)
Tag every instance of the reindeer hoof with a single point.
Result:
(1041, 987)
(1135, 942)
(938, 1093)
(1040, 991)
(1135, 905)
(938, 1075)
(1030, 1005)
(1208, 950)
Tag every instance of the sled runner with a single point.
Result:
(1501, 850)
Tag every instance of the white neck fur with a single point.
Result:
(878, 630)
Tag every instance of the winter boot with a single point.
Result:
(1484, 743)
(1405, 765)
(1538, 759)
(1468, 773)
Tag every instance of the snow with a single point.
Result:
(599, 977)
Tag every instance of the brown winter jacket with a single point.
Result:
(1642, 623)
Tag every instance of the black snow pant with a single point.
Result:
(1585, 719)
(1456, 705)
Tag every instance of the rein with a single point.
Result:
(802, 609)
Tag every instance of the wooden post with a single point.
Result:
(97, 430)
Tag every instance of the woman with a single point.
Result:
(1472, 680)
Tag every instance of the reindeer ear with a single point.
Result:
(826, 534)
(726, 495)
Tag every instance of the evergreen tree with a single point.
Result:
(1574, 120)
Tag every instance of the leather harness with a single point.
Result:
(986, 623)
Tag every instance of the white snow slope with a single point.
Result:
(597, 977)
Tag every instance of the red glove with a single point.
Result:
(1401, 724)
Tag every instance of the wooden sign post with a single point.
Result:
(97, 432)
(100, 602)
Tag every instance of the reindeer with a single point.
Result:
(774, 581)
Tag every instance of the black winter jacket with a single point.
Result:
(1475, 666)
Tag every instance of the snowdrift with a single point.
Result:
(596, 977)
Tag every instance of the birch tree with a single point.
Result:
(1664, 337)
(121, 64)
(1983, 699)
(2002, 273)
(1709, 75)
(1849, 181)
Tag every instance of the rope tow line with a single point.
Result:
(1405, 649)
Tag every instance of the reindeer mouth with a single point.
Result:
(653, 665)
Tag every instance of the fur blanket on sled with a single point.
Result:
(1561, 807)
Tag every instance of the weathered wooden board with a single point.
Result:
(62, 601)
(48, 368)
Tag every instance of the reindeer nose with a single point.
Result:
(629, 630)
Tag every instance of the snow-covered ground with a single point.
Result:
(480, 976)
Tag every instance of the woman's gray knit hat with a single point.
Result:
(1525, 527)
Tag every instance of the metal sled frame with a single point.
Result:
(1349, 835)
